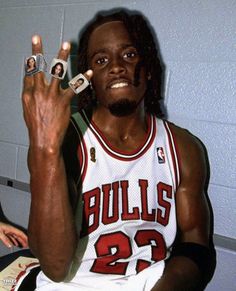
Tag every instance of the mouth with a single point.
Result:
(116, 84)
(119, 85)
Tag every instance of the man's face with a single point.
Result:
(113, 59)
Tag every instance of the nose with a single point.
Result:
(117, 66)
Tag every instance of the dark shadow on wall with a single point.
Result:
(212, 247)
(211, 268)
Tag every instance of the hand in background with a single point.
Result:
(12, 236)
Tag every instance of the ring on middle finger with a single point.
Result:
(58, 68)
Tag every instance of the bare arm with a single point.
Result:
(52, 234)
(193, 220)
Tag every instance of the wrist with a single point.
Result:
(47, 158)
(180, 274)
(48, 151)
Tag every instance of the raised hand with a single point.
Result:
(47, 113)
(46, 105)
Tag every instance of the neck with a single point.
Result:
(120, 128)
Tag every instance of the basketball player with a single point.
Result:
(118, 198)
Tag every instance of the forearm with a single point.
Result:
(180, 274)
(52, 235)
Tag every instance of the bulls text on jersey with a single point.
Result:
(97, 197)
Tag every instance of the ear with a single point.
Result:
(149, 76)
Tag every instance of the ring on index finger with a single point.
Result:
(78, 83)
(34, 64)
(58, 68)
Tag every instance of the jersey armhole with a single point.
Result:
(174, 152)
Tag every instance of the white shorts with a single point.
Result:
(143, 281)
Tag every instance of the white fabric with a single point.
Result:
(144, 281)
(129, 199)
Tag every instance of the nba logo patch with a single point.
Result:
(161, 155)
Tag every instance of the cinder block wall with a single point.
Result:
(197, 42)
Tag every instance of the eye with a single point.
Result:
(130, 54)
(101, 60)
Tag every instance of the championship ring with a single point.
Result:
(58, 68)
(78, 83)
(34, 64)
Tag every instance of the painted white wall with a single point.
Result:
(197, 42)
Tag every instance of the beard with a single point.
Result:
(123, 107)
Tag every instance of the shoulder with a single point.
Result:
(185, 140)
(191, 152)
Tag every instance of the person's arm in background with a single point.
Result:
(12, 236)
(185, 270)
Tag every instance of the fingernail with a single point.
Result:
(89, 73)
(35, 39)
(66, 45)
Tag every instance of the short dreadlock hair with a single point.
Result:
(143, 39)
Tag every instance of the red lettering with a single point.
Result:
(109, 210)
(155, 240)
(110, 248)
(126, 215)
(113, 250)
(163, 215)
(91, 210)
(143, 184)
(106, 189)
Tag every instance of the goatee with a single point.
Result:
(122, 107)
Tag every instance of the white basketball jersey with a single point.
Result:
(128, 204)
